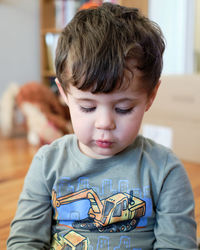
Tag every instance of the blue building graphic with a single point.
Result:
(124, 243)
(103, 243)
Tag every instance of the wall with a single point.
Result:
(19, 43)
(176, 19)
(197, 37)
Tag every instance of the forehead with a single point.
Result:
(131, 90)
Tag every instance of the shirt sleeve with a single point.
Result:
(175, 224)
(31, 227)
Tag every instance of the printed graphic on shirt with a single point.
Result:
(120, 212)
(75, 241)
(71, 240)
(84, 206)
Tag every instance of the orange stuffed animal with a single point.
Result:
(47, 119)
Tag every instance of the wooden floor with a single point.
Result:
(15, 157)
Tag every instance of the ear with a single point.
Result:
(152, 96)
(62, 93)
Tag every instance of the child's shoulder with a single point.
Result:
(160, 161)
(62, 144)
(155, 151)
(151, 145)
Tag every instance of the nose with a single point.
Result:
(105, 121)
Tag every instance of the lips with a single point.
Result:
(103, 143)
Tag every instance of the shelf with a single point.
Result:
(51, 30)
(48, 73)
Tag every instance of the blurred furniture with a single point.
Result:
(176, 109)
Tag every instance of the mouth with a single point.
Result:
(103, 144)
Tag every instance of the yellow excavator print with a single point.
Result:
(119, 212)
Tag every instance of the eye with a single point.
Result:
(124, 111)
(87, 110)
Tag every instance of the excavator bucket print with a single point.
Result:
(71, 240)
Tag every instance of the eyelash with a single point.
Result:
(123, 111)
(87, 110)
(117, 110)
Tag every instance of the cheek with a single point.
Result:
(80, 123)
(131, 125)
(131, 129)
(77, 120)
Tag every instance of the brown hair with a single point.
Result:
(94, 48)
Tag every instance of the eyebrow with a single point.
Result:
(84, 99)
(126, 99)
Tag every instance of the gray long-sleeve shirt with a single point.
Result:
(138, 199)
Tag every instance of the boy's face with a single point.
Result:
(105, 124)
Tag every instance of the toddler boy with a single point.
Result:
(105, 186)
